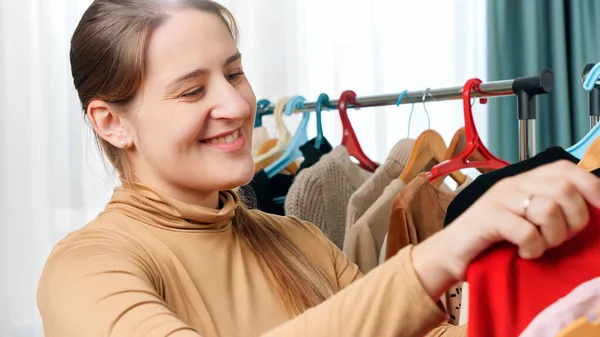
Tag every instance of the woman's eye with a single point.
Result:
(235, 76)
(193, 93)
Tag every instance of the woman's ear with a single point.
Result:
(108, 124)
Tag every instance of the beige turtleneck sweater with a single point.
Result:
(152, 266)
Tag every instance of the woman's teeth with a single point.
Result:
(226, 139)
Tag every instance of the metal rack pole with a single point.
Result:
(495, 89)
(489, 89)
(593, 97)
(525, 88)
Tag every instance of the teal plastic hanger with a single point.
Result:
(263, 108)
(578, 150)
(292, 152)
(592, 78)
(323, 100)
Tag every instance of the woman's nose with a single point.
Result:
(229, 103)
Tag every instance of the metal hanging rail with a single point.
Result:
(525, 88)
(495, 89)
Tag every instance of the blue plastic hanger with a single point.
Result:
(263, 108)
(323, 100)
(592, 78)
(578, 150)
(292, 152)
(412, 109)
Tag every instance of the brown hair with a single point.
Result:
(108, 52)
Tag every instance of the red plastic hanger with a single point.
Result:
(474, 143)
(349, 139)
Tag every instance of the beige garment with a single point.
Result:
(259, 137)
(320, 193)
(417, 213)
(152, 266)
(368, 192)
(444, 187)
(365, 238)
(464, 306)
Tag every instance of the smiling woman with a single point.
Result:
(175, 253)
(189, 97)
(173, 112)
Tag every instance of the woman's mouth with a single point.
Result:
(224, 139)
(229, 143)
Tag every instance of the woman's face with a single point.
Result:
(191, 125)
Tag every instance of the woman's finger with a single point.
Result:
(547, 214)
(587, 184)
(520, 232)
(547, 192)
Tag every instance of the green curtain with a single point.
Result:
(524, 36)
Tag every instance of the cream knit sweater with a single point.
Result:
(320, 193)
(368, 193)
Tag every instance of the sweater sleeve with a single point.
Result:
(389, 301)
(101, 285)
(448, 330)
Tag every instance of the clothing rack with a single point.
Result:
(525, 88)
(594, 97)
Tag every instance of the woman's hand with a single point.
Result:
(536, 210)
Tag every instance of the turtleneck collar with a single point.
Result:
(156, 209)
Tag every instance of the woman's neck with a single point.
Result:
(189, 196)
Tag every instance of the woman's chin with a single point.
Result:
(226, 175)
(237, 179)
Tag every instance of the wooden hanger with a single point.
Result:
(581, 328)
(429, 147)
(458, 144)
(591, 158)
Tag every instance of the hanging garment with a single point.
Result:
(506, 292)
(464, 309)
(460, 143)
(385, 215)
(417, 213)
(388, 209)
(583, 301)
(261, 192)
(464, 304)
(368, 193)
(366, 238)
(292, 168)
(484, 182)
(320, 193)
(259, 137)
(311, 154)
